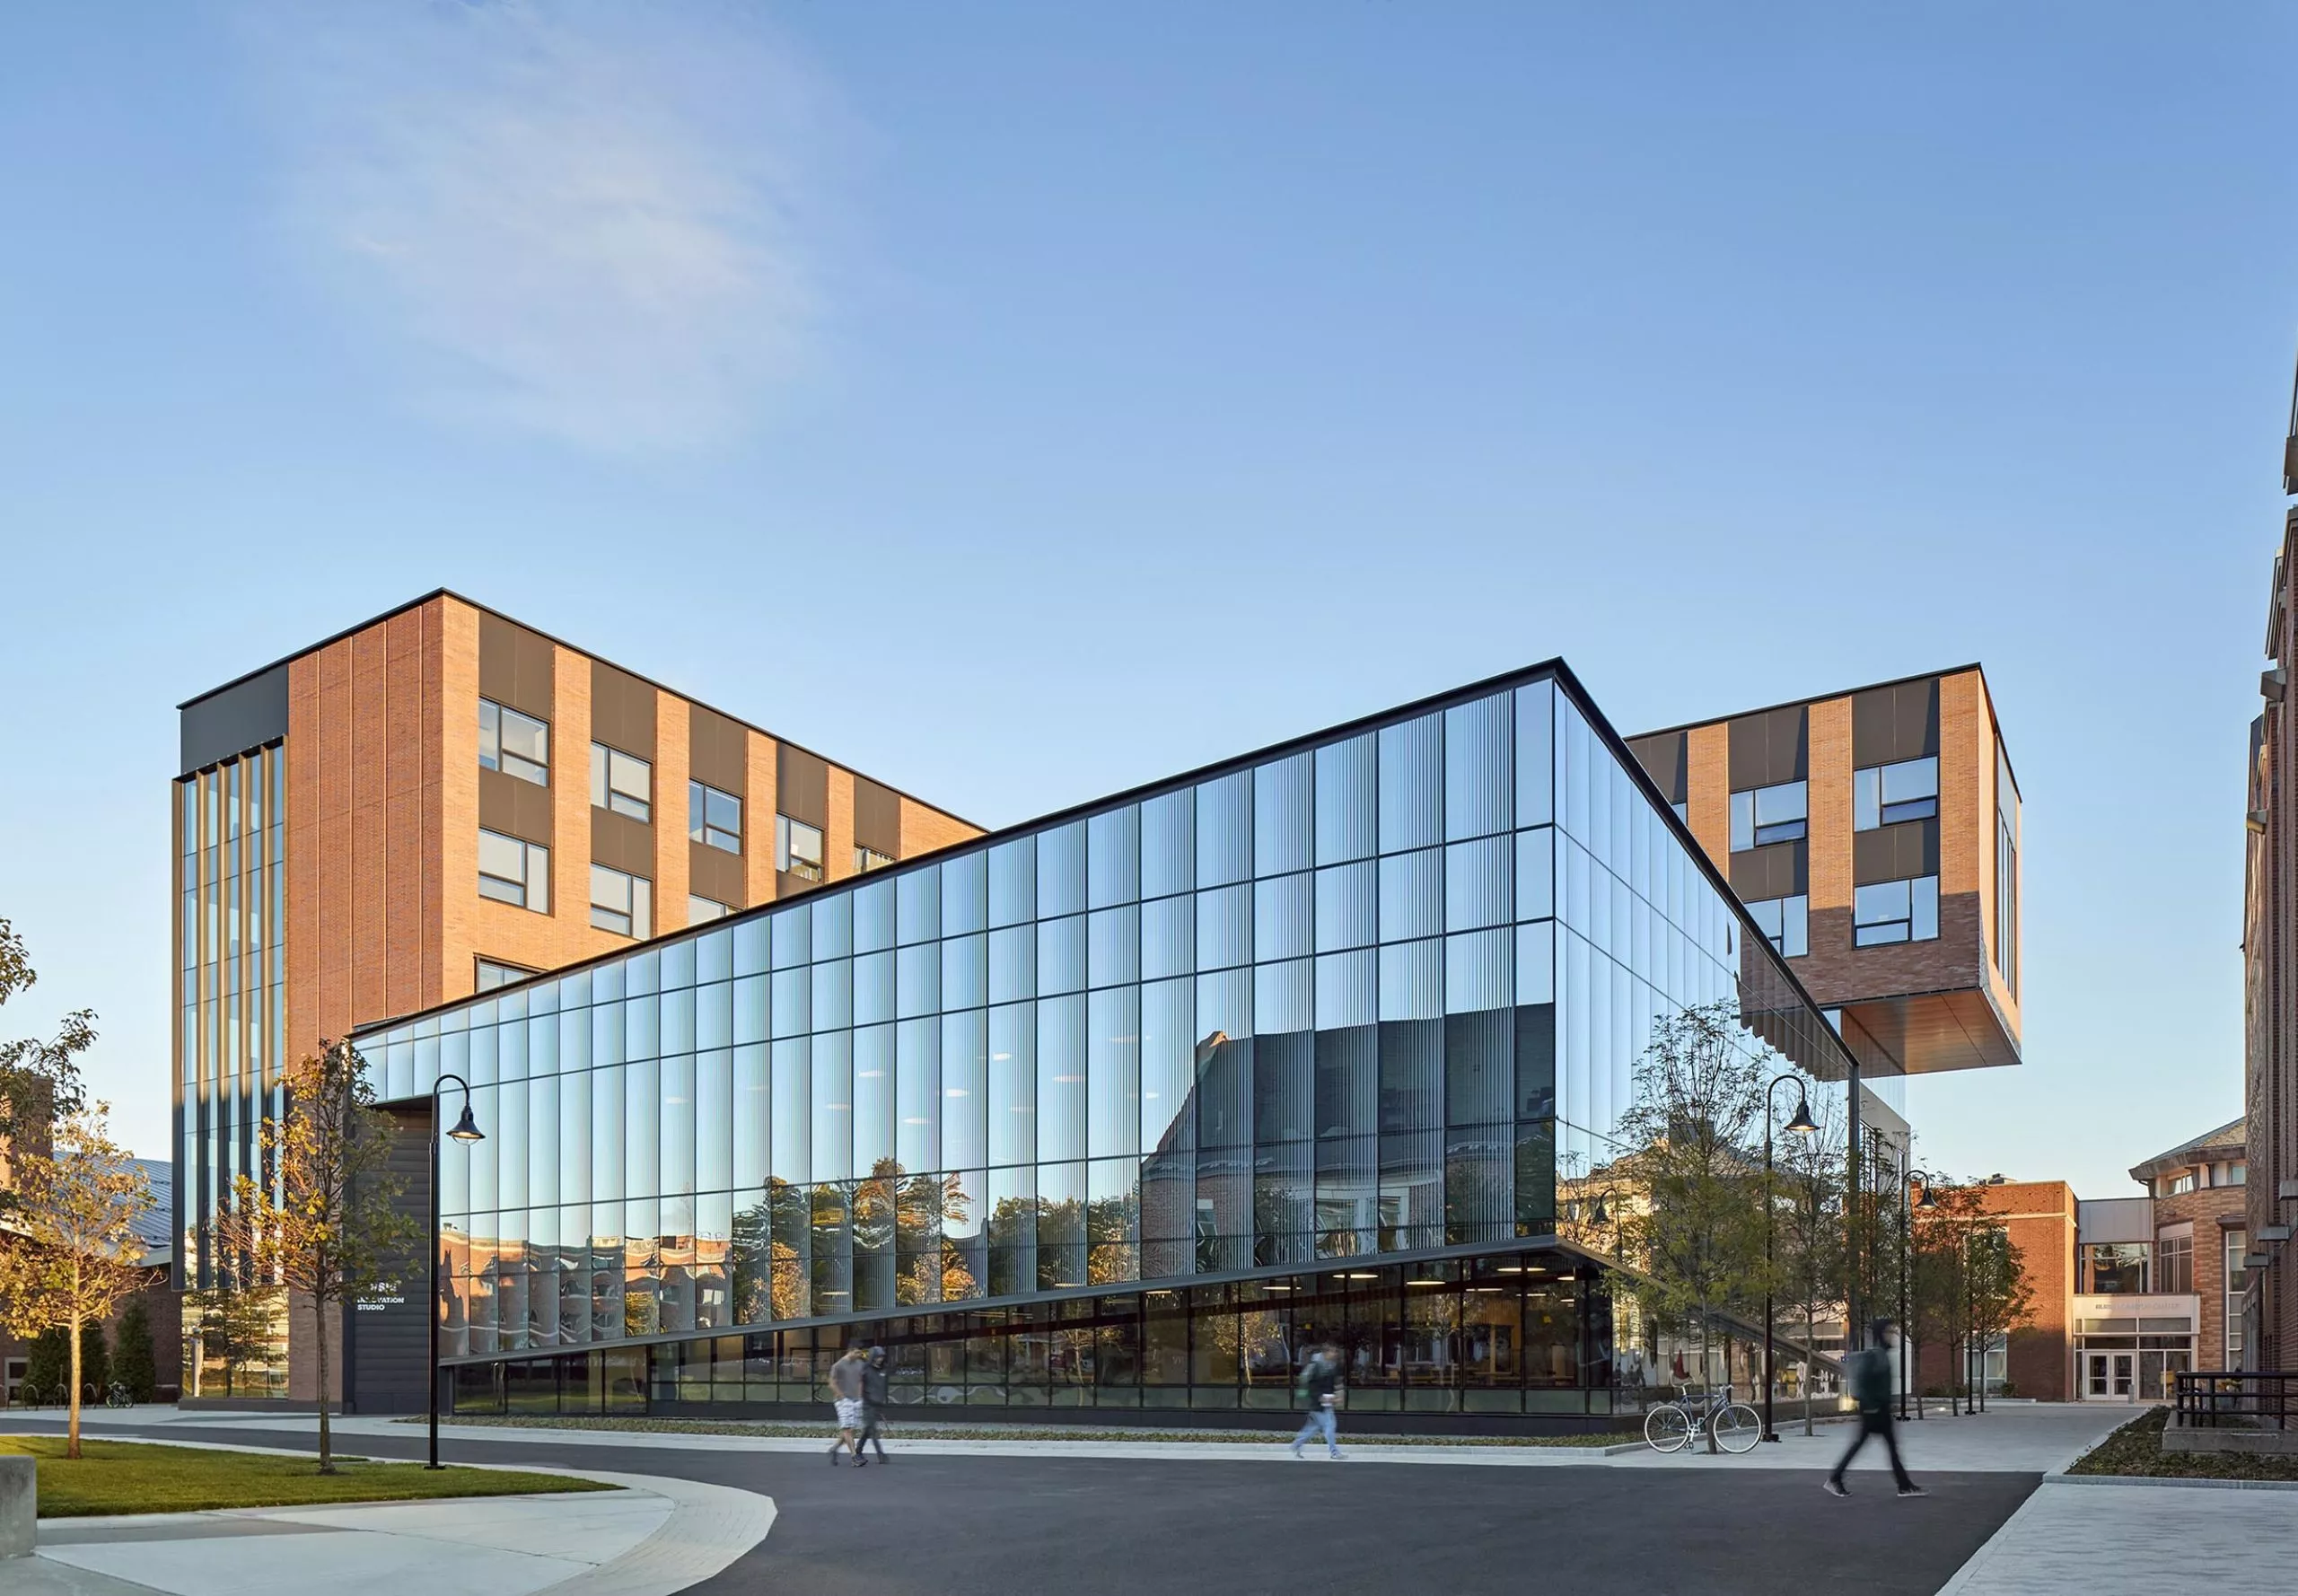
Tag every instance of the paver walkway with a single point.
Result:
(2092, 1538)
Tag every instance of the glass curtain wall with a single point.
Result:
(1365, 997)
(230, 884)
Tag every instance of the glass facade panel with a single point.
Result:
(1163, 1092)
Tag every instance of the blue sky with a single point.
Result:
(1025, 401)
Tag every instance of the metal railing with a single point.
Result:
(2234, 1398)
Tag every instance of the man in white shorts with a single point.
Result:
(846, 1387)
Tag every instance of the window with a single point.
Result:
(797, 848)
(1765, 815)
(866, 859)
(2116, 1268)
(2238, 1285)
(2235, 1173)
(621, 903)
(713, 816)
(1887, 794)
(623, 783)
(1786, 922)
(2176, 1185)
(1895, 912)
(701, 911)
(2174, 1264)
(2007, 871)
(494, 973)
(513, 743)
(513, 872)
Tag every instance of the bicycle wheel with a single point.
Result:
(1666, 1428)
(1737, 1426)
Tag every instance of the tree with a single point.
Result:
(326, 1224)
(48, 1363)
(1941, 1296)
(1996, 1288)
(1697, 1233)
(71, 1251)
(1808, 1210)
(95, 1360)
(40, 1081)
(133, 1363)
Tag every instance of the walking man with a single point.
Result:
(874, 1406)
(1319, 1385)
(846, 1387)
(1871, 1388)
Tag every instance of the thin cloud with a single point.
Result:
(572, 220)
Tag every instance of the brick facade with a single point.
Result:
(2039, 1217)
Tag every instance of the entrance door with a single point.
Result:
(2110, 1376)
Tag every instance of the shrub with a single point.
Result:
(95, 1359)
(134, 1366)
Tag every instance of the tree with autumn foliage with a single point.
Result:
(70, 1252)
(325, 1224)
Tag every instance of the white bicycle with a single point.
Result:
(1735, 1426)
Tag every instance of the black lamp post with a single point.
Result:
(466, 1131)
(1803, 1122)
(1928, 1204)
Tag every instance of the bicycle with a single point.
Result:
(1735, 1426)
(117, 1395)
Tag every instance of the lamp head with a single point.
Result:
(1802, 1119)
(1926, 1200)
(1599, 1214)
(467, 1128)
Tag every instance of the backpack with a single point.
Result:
(1871, 1378)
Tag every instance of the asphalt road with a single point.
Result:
(1006, 1525)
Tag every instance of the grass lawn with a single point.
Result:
(900, 1427)
(131, 1477)
(2137, 1449)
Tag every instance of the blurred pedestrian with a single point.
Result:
(874, 1406)
(1319, 1386)
(846, 1390)
(1871, 1389)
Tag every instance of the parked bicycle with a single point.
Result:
(1671, 1426)
(117, 1395)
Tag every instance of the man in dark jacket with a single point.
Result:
(874, 1405)
(1871, 1388)
(1320, 1387)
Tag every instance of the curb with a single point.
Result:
(2180, 1482)
(711, 1527)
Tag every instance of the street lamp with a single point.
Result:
(1929, 1205)
(466, 1130)
(1801, 1122)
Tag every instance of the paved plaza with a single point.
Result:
(1146, 1516)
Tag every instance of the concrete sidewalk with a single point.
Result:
(2027, 1438)
(651, 1537)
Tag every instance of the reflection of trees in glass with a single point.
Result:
(230, 1330)
(1698, 1109)
(888, 1212)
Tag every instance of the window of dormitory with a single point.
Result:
(1764, 815)
(713, 818)
(1888, 794)
(866, 859)
(513, 743)
(1786, 922)
(623, 783)
(797, 848)
(621, 902)
(1906, 911)
(701, 910)
(513, 872)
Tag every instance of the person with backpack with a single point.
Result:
(1320, 1387)
(1871, 1389)
(874, 1407)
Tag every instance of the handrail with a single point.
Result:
(2234, 1398)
